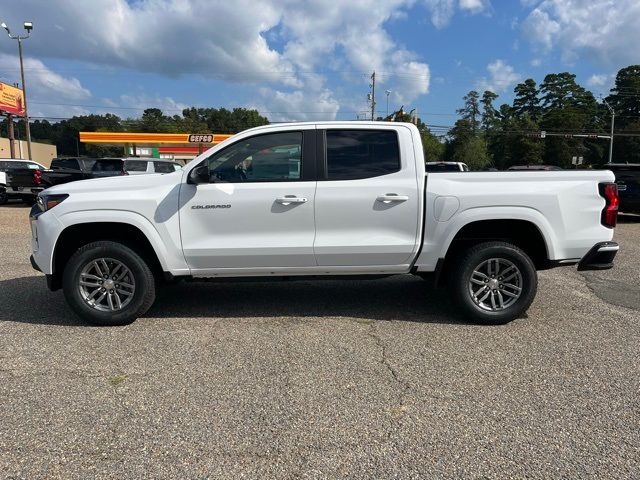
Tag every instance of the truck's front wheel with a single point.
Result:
(494, 282)
(107, 283)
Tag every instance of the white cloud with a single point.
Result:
(297, 105)
(605, 30)
(442, 11)
(602, 81)
(219, 39)
(473, 6)
(43, 83)
(290, 47)
(501, 77)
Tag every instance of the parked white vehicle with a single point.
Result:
(320, 199)
(142, 166)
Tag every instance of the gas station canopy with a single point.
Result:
(178, 144)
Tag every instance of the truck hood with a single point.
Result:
(124, 183)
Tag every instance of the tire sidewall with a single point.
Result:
(145, 286)
(507, 252)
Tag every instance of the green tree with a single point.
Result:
(526, 100)
(489, 113)
(432, 146)
(471, 109)
(625, 100)
(567, 108)
(464, 145)
(223, 120)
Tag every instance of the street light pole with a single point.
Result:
(613, 121)
(28, 26)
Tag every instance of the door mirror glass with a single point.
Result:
(200, 174)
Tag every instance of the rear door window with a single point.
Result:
(135, 165)
(358, 154)
(65, 163)
(107, 165)
(163, 167)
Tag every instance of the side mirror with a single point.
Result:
(200, 174)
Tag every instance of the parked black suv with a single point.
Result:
(628, 181)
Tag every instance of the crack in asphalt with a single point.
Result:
(384, 360)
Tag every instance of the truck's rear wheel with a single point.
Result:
(494, 282)
(107, 283)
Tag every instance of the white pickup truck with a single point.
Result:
(321, 199)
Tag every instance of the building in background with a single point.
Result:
(42, 152)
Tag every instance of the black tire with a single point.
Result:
(3, 196)
(141, 300)
(460, 283)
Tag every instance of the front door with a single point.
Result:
(257, 210)
(367, 200)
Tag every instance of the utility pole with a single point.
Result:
(28, 26)
(373, 95)
(613, 121)
(12, 145)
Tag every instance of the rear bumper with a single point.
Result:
(600, 257)
(24, 191)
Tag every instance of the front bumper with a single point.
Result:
(45, 230)
(600, 257)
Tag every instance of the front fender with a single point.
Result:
(165, 243)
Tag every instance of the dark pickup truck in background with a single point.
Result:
(23, 180)
(628, 182)
(65, 170)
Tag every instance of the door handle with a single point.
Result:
(392, 197)
(290, 199)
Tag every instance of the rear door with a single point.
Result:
(257, 210)
(367, 202)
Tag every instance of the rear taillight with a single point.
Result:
(37, 177)
(609, 217)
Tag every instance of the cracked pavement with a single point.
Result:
(354, 379)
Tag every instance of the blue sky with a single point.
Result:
(311, 60)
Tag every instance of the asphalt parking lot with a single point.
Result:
(361, 379)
